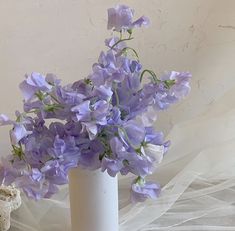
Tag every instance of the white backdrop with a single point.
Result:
(198, 174)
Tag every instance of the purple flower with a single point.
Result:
(90, 128)
(58, 129)
(100, 111)
(90, 154)
(120, 18)
(111, 165)
(142, 21)
(115, 116)
(111, 41)
(103, 92)
(69, 96)
(91, 116)
(59, 146)
(132, 133)
(65, 149)
(117, 147)
(4, 120)
(8, 173)
(73, 128)
(33, 189)
(18, 133)
(181, 86)
(52, 79)
(140, 191)
(36, 175)
(34, 83)
(108, 69)
(83, 111)
(137, 164)
(55, 172)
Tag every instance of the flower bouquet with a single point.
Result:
(103, 123)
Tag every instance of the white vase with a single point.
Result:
(93, 200)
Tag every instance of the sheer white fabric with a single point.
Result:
(198, 173)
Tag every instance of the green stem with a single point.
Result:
(121, 40)
(131, 49)
(53, 97)
(151, 73)
(116, 95)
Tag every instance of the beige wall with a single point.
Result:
(66, 36)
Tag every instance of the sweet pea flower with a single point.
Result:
(111, 165)
(142, 21)
(4, 120)
(83, 111)
(140, 191)
(132, 133)
(111, 41)
(34, 83)
(181, 86)
(120, 18)
(18, 133)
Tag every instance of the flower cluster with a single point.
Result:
(102, 122)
